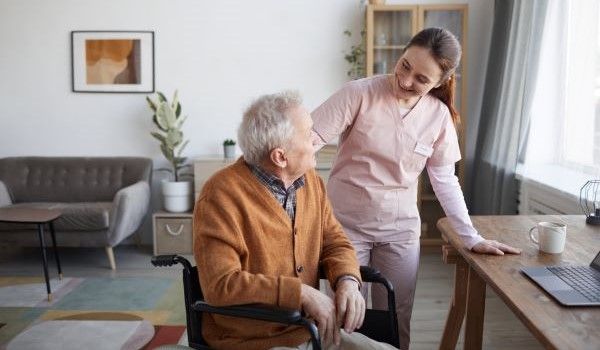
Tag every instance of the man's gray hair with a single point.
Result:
(266, 125)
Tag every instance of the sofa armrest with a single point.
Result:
(4, 195)
(130, 205)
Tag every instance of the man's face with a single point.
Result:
(300, 153)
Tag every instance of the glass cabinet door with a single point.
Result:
(389, 29)
(452, 18)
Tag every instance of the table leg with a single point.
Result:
(456, 313)
(475, 311)
(60, 275)
(44, 259)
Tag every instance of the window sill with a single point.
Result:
(552, 185)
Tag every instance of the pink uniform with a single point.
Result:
(373, 182)
(374, 179)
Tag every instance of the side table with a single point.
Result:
(172, 233)
(39, 217)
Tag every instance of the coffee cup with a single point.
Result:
(550, 238)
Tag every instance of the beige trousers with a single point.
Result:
(398, 262)
(352, 341)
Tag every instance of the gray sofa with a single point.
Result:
(103, 200)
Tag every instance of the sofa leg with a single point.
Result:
(111, 257)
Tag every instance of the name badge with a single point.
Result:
(423, 149)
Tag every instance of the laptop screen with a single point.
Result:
(596, 262)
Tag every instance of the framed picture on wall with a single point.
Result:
(112, 61)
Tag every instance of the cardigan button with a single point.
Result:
(300, 268)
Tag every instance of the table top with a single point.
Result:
(28, 215)
(552, 324)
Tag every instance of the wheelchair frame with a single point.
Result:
(195, 306)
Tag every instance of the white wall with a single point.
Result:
(219, 54)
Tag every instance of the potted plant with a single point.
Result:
(167, 118)
(229, 148)
(356, 57)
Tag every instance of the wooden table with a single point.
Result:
(39, 217)
(555, 326)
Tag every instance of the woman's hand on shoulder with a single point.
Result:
(494, 247)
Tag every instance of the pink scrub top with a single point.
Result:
(374, 180)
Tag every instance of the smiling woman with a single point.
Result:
(392, 127)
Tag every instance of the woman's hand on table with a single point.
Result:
(489, 246)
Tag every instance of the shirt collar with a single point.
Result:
(272, 181)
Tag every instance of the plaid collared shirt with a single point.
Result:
(287, 198)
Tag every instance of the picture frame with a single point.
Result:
(112, 61)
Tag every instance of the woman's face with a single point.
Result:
(416, 73)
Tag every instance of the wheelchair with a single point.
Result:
(380, 325)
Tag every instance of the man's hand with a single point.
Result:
(322, 309)
(350, 305)
(494, 247)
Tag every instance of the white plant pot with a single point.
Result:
(229, 151)
(177, 196)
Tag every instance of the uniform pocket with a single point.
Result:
(416, 154)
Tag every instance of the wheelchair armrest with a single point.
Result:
(369, 274)
(267, 313)
(253, 311)
(169, 260)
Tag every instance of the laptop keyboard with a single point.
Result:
(581, 278)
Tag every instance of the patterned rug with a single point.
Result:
(91, 313)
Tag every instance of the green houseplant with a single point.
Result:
(229, 148)
(168, 120)
(356, 57)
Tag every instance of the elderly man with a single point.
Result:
(262, 228)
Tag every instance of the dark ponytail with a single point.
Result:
(445, 49)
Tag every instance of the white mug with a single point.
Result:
(552, 236)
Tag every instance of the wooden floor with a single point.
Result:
(502, 330)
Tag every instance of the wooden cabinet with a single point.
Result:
(172, 233)
(389, 29)
(205, 167)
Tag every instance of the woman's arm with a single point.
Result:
(447, 189)
(336, 114)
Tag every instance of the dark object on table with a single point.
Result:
(589, 200)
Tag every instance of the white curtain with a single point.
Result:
(505, 114)
(565, 112)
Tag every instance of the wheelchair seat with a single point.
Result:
(380, 325)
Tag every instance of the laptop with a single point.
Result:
(569, 285)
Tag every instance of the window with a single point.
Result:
(581, 134)
(565, 116)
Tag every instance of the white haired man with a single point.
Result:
(263, 227)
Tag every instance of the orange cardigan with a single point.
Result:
(248, 252)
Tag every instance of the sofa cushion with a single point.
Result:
(83, 216)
